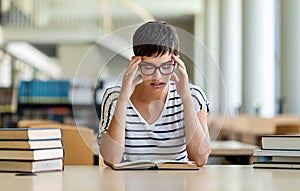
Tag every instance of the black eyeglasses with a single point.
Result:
(149, 69)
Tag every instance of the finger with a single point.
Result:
(174, 77)
(178, 61)
(135, 60)
(181, 69)
(137, 79)
(181, 66)
(182, 73)
(133, 66)
(131, 71)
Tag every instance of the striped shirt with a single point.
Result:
(165, 138)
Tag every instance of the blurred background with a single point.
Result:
(57, 56)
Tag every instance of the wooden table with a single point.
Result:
(208, 178)
(249, 129)
(232, 152)
(232, 148)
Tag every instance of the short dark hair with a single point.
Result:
(155, 39)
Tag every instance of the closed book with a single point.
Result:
(285, 159)
(32, 166)
(37, 154)
(283, 142)
(157, 164)
(265, 152)
(280, 165)
(31, 144)
(30, 133)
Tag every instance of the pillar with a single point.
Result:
(290, 56)
(259, 57)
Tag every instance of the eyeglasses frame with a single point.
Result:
(157, 67)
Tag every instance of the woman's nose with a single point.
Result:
(157, 74)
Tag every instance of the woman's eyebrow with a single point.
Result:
(166, 62)
(144, 62)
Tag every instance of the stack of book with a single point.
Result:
(31, 149)
(279, 151)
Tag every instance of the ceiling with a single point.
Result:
(41, 21)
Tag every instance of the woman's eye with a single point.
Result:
(166, 67)
(148, 67)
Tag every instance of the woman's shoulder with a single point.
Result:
(194, 87)
(196, 90)
(114, 90)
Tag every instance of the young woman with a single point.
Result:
(155, 114)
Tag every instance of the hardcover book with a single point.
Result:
(280, 165)
(281, 142)
(37, 154)
(285, 159)
(32, 166)
(31, 144)
(264, 152)
(30, 133)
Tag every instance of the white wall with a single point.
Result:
(89, 62)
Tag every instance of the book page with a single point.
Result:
(156, 164)
(134, 164)
(176, 165)
(173, 162)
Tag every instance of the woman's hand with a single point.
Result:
(129, 79)
(182, 82)
(113, 141)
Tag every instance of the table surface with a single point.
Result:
(210, 177)
(232, 147)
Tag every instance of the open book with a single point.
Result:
(155, 165)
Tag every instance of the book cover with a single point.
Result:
(30, 133)
(285, 159)
(265, 152)
(31, 144)
(282, 142)
(37, 154)
(31, 166)
(279, 165)
(156, 165)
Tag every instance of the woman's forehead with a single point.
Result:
(157, 60)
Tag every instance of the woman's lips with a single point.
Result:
(157, 85)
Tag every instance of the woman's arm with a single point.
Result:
(197, 135)
(112, 142)
(196, 130)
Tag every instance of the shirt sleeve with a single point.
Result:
(199, 98)
(108, 105)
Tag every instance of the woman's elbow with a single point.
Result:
(110, 150)
(202, 159)
(110, 157)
